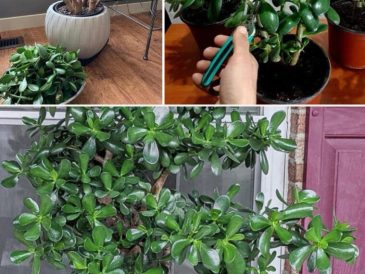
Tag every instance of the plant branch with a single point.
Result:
(99, 159)
(160, 182)
(299, 37)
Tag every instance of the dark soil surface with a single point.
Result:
(199, 16)
(61, 8)
(285, 83)
(351, 17)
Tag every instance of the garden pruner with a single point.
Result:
(224, 53)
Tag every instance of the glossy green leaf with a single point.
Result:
(259, 222)
(323, 262)
(210, 258)
(20, 256)
(222, 203)
(89, 203)
(10, 182)
(178, 247)
(234, 225)
(33, 232)
(135, 134)
(268, 17)
(298, 256)
(216, 165)
(151, 152)
(264, 241)
(333, 16)
(134, 234)
(27, 218)
(11, 167)
(78, 262)
(297, 211)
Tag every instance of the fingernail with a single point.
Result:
(242, 30)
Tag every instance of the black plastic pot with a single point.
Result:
(204, 34)
(205, 31)
(284, 84)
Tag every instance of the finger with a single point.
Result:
(219, 40)
(240, 41)
(197, 78)
(210, 52)
(217, 88)
(202, 65)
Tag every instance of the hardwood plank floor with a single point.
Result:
(119, 75)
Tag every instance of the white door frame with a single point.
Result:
(277, 178)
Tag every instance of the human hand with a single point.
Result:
(238, 81)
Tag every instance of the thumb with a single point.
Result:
(240, 41)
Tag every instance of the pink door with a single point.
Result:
(336, 170)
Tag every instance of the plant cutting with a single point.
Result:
(42, 74)
(347, 40)
(282, 43)
(103, 206)
(79, 25)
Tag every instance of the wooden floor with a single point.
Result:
(119, 75)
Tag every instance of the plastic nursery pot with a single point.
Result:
(202, 29)
(347, 40)
(280, 83)
(204, 34)
(89, 33)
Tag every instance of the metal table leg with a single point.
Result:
(153, 11)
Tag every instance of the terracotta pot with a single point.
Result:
(90, 34)
(204, 34)
(312, 96)
(347, 46)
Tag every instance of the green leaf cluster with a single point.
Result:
(103, 208)
(274, 21)
(41, 74)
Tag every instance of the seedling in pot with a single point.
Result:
(274, 23)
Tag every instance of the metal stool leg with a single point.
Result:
(152, 26)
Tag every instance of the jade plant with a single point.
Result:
(41, 74)
(274, 21)
(76, 7)
(103, 206)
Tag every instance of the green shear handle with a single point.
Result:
(220, 57)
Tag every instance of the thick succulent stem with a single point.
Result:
(160, 182)
(93, 4)
(74, 6)
(299, 38)
(69, 5)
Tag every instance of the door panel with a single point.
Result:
(336, 170)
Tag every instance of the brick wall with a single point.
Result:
(296, 158)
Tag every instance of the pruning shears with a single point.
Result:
(223, 53)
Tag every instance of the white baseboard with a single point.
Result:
(37, 20)
(22, 22)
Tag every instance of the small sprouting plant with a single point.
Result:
(41, 74)
(103, 206)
